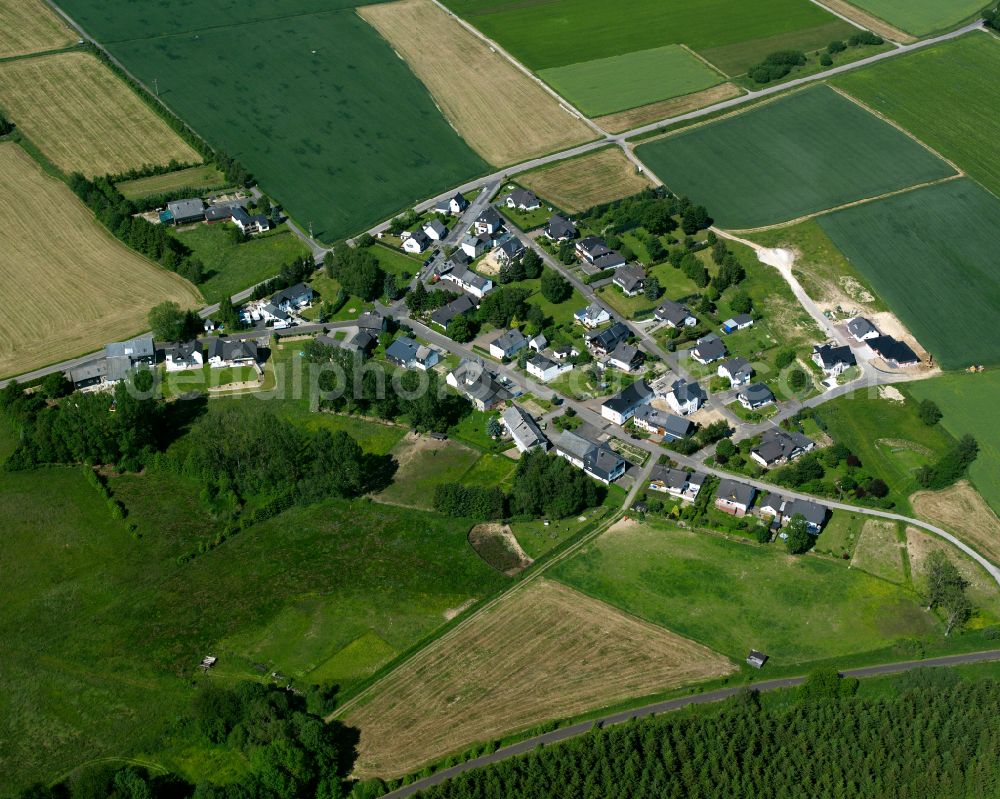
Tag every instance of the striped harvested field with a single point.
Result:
(66, 285)
(28, 26)
(84, 118)
(579, 183)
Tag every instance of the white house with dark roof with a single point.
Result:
(626, 357)
(510, 250)
(673, 314)
(560, 228)
(508, 344)
(595, 458)
(591, 248)
(453, 205)
(521, 200)
(737, 371)
(622, 407)
(435, 230)
(478, 384)
(475, 245)
(592, 316)
(544, 368)
(609, 260)
(469, 281)
(734, 497)
(460, 306)
(862, 329)
(778, 446)
(685, 397)
(231, 352)
(415, 242)
(523, 429)
(630, 279)
(755, 396)
(708, 349)
(183, 355)
(678, 483)
(833, 360)
(411, 354)
(661, 423)
(489, 222)
(604, 342)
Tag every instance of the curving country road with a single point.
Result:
(575, 730)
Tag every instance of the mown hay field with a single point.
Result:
(921, 17)
(643, 115)
(84, 118)
(542, 653)
(29, 26)
(931, 255)
(67, 287)
(579, 183)
(206, 176)
(946, 96)
(801, 154)
(501, 112)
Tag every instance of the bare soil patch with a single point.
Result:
(541, 653)
(579, 183)
(29, 26)
(499, 547)
(505, 115)
(961, 510)
(646, 114)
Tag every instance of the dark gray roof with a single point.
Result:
(182, 350)
(771, 501)
(813, 512)
(371, 320)
(757, 393)
(859, 327)
(232, 349)
(710, 348)
(737, 366)
(522, 197)
(630, 277)
(470, 278)
(362, 341)
(542, 362)
(893, 350)
(217, 213)
(523, 427)
(685, 391)
(560, 227)
(609, 338)
(830, 356)
(777, 444)
(735, 491)
(675, 426)
(135, 348)
(490, 216)
(593, 246)
(510, 339)
(626, 353)
(188, 208)
(437, 226)
(672, 312)
(609, 260)
(292, 294)
(673, 478)
(457, 307)
(630, 398)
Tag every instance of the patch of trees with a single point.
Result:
(945, 590)
(292, 273)
(655, 210)
(916, 743)
(481, 503)
(992, 18)
(420, 301)
(6, 126)
(929, 412)
(776, 65)
(357, 270)
(797, 536)
(718, 431)
(169, 322)
(950, 466)
(555, 288)
(501, 306)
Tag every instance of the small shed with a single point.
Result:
(756, 659)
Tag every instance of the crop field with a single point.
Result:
(425, 462)
(343, 135)
(930, 254)
(928, 92)
(29, 26)
(734, 596)
(84, 118)
(605, 85)
(463, 73)
(922, 17)
(544, 652)
(581, 183)
(634, 117)
(206, 176)
(68, 287)
(801, 154)
(968, 402)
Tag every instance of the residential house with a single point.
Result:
(862, 330)
(560, 228)
(416, 242)
(737, 371)
(362, 342)
(771, 505)
(538, 343)
(270, 312)
(523, 429)
(833, 360)
(673, 314)
(475, 245)
(542, 368)
(591, 248)
(489, 222)
(453, 205)
(626, 357)
(458, 259)
(565, 352)
(734, 498)
(609, 260)
(595, 458)
(778, 446)
(661, 423)
(685, 397)
(508, 344)
(250, 224)
(220, 212)
(755, 396)
(630, 279)
(894, 353)
(478, 384)
(460, 306)
(372, 321)
(814, 514)
(122, 356)
(509, 251)
(592, 316)
(231, 352)
(88, 375)
(293, 297)
(185, 212)
(678, 483)
(740, 322)
(435, 230)
(184, 355)
(622, 407)
(411, 354)
(522, 200)
(470, 282)
(605, 341)
(708, 349)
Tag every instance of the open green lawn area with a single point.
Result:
(969, 403)
(206, 176)
(174, 384)
(922, 17)
(230, 267)
(606, 85)
(737, 596)
(801, 154)
(731, 34)
(396, 262)
(425, 463)
(945, 95)
(310, 100)
(931, 255)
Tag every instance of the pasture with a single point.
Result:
(206, 176)
(928, 92)
(541, 653)
(462, 73)
(968, 402)
(930, 254)
(922, 17)
(733, 596)
(798, 155)
(84, 118)
(343, 135)
(30, 26)
(68, 286)
(605, 85)
(581, 183)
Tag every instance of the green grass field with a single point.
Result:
(309, 102)
(969, 404)
(734, 596)
(921, 17)
(424, 464)
(553, 33)
(205, 176)
(801, 154)
(606, 85)
(931, 255)
(928, 93)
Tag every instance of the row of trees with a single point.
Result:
(950, 466)
(655, 210)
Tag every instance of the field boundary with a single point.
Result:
(866, 20)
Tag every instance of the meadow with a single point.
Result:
(928, 92)
(424, 463)
(84, 118)
(68, 286)
(734, 596)
(542, 652)
(206, 176)
(581, 183)
(606, 85)
(798, 155)
(30, 26)
(343, 135)
(930, 254)
(922, 17)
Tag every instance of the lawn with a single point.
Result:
(798, 155)
(930, 254)
(425, 463)
(580, 183)
(737, 596)
(198, 178)
(230, 267)
(922, 17)
(620, 82)
(29, 26)
(310, 102)
(199, 381)
(969, 402)
(927, 92)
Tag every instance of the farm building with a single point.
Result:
(184, 212)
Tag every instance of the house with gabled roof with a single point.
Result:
(737, 371)
(739, 322)
(453, 205)
(621, 407)
(411, 354)
(415, 242)
(478, 384)
(734, 497)
(560, 228)
(508, 344)
(523, 429)
(545, 369)
(833, 360)
(435, 230)
(469, 281)
(231, 352)
(475, 245)
(489, 222)
(754, 396)
(183, 355)
(605, 341)
(661, 423)
(590, 248)
(861, 329)
(631, 279)
(521, 200)
(592, 316)
(596, 459)
(895, 353)
(678, 483)
(460, 306)
(685, 397)
(674, 314)
(708, 349)
(778, 446)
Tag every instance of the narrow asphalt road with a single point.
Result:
(574, 730)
